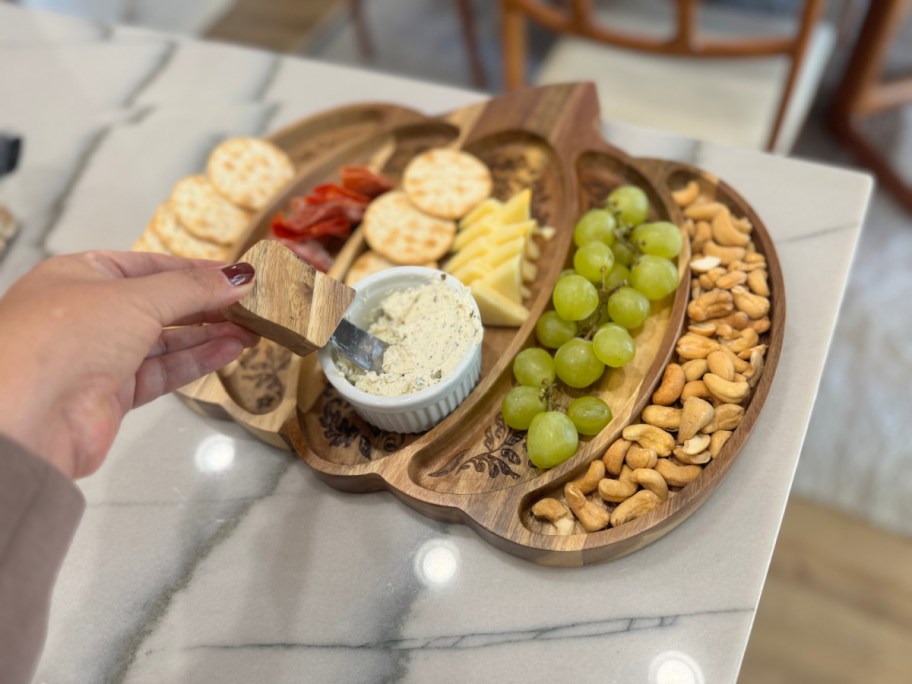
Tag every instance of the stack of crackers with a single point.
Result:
(416, 225)
(207, 215)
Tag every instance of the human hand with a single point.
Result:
(86, 337)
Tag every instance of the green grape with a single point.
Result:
(552, 331)
(551, 440)
(628, 308)
(574, 298)
(521, 405)
(613, 345)
(660, 238)
(630, 203)
(533, 367)
(618, 274)
(624, 253)
(565, 273)
(596, 225)
(589, 415)
(576, 363)
(655, 277)
(592, 259)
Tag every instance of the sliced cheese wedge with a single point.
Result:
(487, 208)
(516, 208)
(476, 250)
(507, 250)
(470, 272)
(480, 229)
(506, 279)
(495, 308)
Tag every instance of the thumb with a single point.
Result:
(185, 295)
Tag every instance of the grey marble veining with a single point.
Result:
(206, 556)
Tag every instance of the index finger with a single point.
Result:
(139, 264)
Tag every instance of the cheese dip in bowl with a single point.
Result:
(433, 328)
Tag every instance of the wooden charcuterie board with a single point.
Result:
(471, 468)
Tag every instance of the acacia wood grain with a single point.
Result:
(471, 468)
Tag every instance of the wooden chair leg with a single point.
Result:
(365, 45)
(467, 20)
(513, 46)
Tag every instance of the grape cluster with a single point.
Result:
(621, 263)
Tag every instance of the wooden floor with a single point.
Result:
(275, 25)
(837, 607)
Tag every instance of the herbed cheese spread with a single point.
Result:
(428, 329)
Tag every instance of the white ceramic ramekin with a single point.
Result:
(421, 410)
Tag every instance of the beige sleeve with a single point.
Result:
(39, 511)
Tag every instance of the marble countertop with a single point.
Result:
(207, 556)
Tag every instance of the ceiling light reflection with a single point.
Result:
(436, 562)
(214, 454)
(674, 667)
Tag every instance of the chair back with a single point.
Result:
(577, 17)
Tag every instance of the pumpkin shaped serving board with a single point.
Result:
(471, 468)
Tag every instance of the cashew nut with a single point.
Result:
(672, 384)
(616, 491)
(651, 480)
(756, 367)
(743, 224)
(694, 370)
(695, 445)
(756, 281)
(687, 194)
(717, 440)
(749, 338)
(638, 457)
(721, 363)
(677, 475)
(650, 437)
(704, 211)
(726, 417)
(731, 279)
(708, 279)
(704, 264)
(707, 329)
(556, 513)
(692, 459)
(695, 388)
(755, 258)
(665, 417)
(588, 482)
(614, 456)
(637, 505)
(726, 254)
(626, 474)
(692, 346)
(753, 305)
(591, 515)
(695, 415)
(712, 304)
(747, 353)
(702, 235)
(726, 391)
(724, 231)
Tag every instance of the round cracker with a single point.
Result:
(150, 242)
(447, 183)
(181, 242)
(249, 171)
(205, 213)
(397, 230)
(369, 263)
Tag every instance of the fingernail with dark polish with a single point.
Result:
(239, 274)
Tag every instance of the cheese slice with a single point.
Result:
(501, 253)
(507, 279)
(479, 229)
(516, 208)
(529, 271)
(487, 208)
(495, 308)
(470, 272)
(511, 231)
(477, 249)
